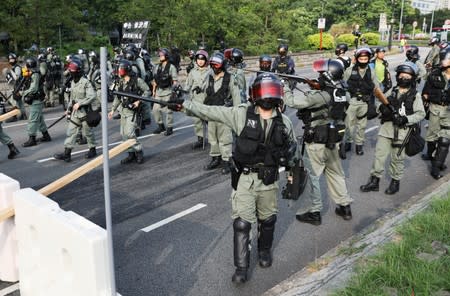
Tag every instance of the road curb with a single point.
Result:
(338, 267)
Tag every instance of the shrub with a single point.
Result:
(372, 38)
(348, 39)
(314, 41)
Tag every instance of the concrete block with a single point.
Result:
(9, 270)
(60, 253)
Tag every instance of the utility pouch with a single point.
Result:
(268, 175)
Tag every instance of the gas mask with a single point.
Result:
(405, 82)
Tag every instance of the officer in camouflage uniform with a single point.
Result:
(322, 112)
(165, 77)
(235, 58)
(432, 59)
(83, 98)
(265, 142)
(33, 95)
(14, 76)
(362, 81)
(129, 108)
(196, 85)
(6, 140)
(221, 90)
(437, 93)
(405, 109)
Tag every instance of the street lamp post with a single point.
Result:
(400, 24)
(391, 31)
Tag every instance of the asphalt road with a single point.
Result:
(192, 255)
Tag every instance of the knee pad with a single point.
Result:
(240, 225)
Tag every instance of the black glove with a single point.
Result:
(391, 108)
(175, 104)
(400, 120)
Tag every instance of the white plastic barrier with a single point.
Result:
(9, 270)
(60, 253)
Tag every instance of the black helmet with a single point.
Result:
(31, 63)
(165, 52)
(267, 91)
(363, 51)
(380, 49)
(265, 62)
(93, 56)
(202, 53)
(283, 49)
(237, 56)
(41, 57)
(75, 66)
(332, 70)
(407, 67)
(341, 48)
(12, 56)
(433, 40)
(444, 54)
(191, 53)
(412, 53)
(125, 68)
(132, 47)
(50, 49)
(130, 55)
(217, 61)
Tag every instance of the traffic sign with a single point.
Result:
(321, 23)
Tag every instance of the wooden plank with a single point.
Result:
(9, 114)
(73, 175)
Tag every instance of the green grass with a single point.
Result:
(397, 268)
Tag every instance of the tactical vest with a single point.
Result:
(222, 97)
(437, 92)
(252, 147)
(162, 77)
(282, 65)
(358, 86)
(130, 87)
(406, 99)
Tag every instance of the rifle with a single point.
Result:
(141, 98)
(313, 84)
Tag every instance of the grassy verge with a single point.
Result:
(416, 262)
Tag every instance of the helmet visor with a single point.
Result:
(320, 65)
(267, 90)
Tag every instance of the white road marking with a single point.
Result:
(25, 123)
(9, 289)
(173, 218)
(114, 144)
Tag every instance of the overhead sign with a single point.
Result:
(321, 23)
(383, 27)
(135, 32)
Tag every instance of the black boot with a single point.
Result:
(140, 157)
(169, 131)
(342, 151)
(66, 155)
(129, 159)
(241, 241)
(91, 153)
(265, 239)
(373, 185)
(359, 149)
(439, 159)
(45, 137)
(159, 129)
(344, 211)
(13, 151)
(215, 162)
(226, 169)
(348, 146)
(394, 187)
(431, 147)
(313, 218)
(198, 144)
(31, 142)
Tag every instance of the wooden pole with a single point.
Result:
(9, 114)
(73, 175)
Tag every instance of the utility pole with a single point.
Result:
(400, 24)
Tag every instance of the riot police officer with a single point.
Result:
(283, 63)
(340, 51)
(432, 59)
(221, 90)
(6, 140)
(362, 82)
(235, 60)
(14, 77)
(165, 77)
(196, 85)
(34, 95)
(191, 55)
(265, 63)
(83, 99)
(265, 142)
(412, 55)
(128, 108)
(323, 112)
(437, 93)
(405, 109)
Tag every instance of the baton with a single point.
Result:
(141, 98)
(58, 120)
(405, 141)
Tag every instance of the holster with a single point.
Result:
(236, 172)
(268, 174)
